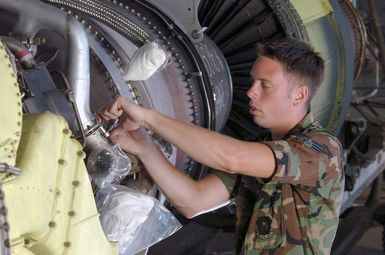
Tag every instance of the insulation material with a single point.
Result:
(145, 62)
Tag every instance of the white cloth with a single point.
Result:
(123, 212)
(144, 63)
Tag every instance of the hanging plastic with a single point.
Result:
(133, 219)
(108, 164)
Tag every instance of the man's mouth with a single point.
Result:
(255, 110)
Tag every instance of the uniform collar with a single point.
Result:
(307, 120)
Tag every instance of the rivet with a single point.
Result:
(67, 244)
(61, 161)
(7, 243)
(26, 241)
(51, 224)
(71, 213)
(66, 131)
(75, 183)
(80, 153)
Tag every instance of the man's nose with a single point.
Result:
(253, 92)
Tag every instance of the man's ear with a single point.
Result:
(301, 94)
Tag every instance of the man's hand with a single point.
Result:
(136, 141)
(132, 114)
(128, 133)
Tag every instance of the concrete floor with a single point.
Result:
(370, 243)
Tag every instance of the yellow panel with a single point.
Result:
(10, 105)
(51, 208)
(310, 10)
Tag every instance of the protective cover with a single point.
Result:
(145, 62)
(10, 119)
(51, 207)
(133, 219)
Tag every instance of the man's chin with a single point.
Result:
(258, 122)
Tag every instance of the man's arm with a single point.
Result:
(188, 196)
(213, 149)
(210, 148)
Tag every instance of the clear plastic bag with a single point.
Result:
(108, 164)
(133, 219)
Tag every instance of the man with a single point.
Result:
(295, 181)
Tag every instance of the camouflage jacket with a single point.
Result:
(296, 211)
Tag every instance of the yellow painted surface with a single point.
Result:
(10, 115)
(310, 10)
(51, 208)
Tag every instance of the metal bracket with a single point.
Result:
(185, 15)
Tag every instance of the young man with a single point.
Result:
(295, 181)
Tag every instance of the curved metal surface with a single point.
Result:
(359, 36)
(206, 80)
(194, 87)
(330, 34)
(40, 16)
(4, 227)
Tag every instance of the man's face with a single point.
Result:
(271, 94)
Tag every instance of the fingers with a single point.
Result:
(136, 141)
(118, 134)
(110, 112)
(128, 125)
(125, 141)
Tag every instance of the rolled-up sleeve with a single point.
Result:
(308, 161)
(229, 180)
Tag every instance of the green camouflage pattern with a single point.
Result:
(296, 211)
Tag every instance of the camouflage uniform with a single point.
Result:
(296, 211)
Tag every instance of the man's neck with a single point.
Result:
(280, 132)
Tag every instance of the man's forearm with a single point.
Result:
(187, 195)
(208, 147)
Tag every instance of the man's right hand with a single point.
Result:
(131, 114)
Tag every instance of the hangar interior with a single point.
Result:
(62, 60)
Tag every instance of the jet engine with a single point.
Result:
(70, 58)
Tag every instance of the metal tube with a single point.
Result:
(34, 16)
(78, 70)
(19, 50)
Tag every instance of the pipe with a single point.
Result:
(34, 16)
(19, 50)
